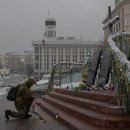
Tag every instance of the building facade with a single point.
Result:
(19, 62)
(2, 60)
(4, 71)
(122, 10)
(28, 62)
(3, 68)
(13, 61)
(53, 50)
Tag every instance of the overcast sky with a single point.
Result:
(22, 21)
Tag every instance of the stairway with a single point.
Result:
(86, 110)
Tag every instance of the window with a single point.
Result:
(36, 49)
(50, 33)
(36, 57)
(47, 66)
(40, 66)
(36, 66)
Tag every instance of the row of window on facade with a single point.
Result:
(61, 56)
(118, 27)
(66, 52)
(55, 49)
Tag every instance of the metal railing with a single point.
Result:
(62, 75)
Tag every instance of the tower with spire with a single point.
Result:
(50, 31)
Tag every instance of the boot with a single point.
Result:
(28, 115)
(7, 113)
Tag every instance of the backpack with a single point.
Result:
(11, 96)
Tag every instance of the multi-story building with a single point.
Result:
(2, 60)
(4, 71)
(122, 11)
(28, 62)
(13, 61)
(19, 62)
(28, 58)
(53, 50)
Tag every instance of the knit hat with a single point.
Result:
(30, 82)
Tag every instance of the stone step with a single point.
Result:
(89, 116)
(70, 121)
(97, 106)
(103, 96)
(47, 118)
(43, 115)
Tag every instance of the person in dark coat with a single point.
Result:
(24, 99)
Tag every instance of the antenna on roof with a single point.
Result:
(48, 13)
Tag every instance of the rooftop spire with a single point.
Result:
(48, 13)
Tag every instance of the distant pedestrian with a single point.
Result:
(23, 101)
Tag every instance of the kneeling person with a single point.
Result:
(23, 101)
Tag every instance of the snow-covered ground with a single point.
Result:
(3, 91)
(42, 84)
(70, 85)
(13, 79)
